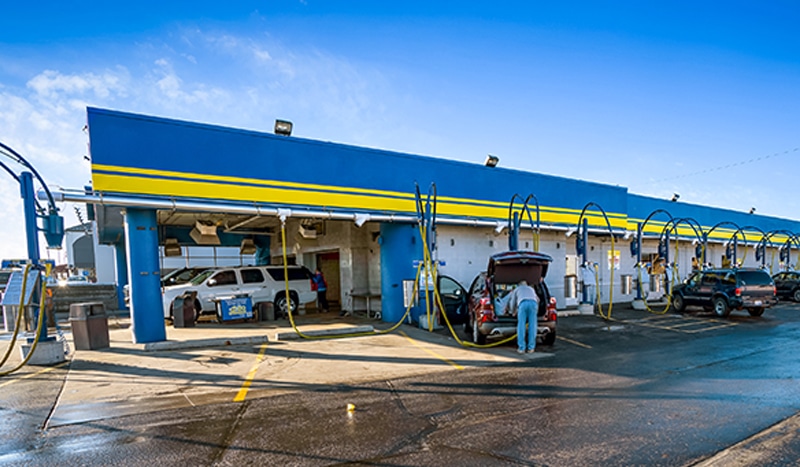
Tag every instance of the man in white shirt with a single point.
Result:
(524, 302)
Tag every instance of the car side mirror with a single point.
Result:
(212, 282)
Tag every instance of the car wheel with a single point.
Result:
(477, 337)
(282, 305)
(796, 295)
(678, 304)
(756, 311)
(721, 307)
(549, 338)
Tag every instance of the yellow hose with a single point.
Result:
(38, 325)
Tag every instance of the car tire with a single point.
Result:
(796, 295)
(549, 338)
(281, 304)
(721, 307)
(756, 311)
(477, 337)
(678, 304)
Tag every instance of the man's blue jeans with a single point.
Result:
(526, 317)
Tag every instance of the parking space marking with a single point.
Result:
(242, 394)
(679, 323)
(31, 375)
(444, 359)
(574, 342)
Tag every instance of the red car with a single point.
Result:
(489, 290)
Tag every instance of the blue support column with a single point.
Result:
(401, 244)
(141, 239)
(32, 234)
(639, 259)
(122, 274)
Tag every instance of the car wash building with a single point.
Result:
(161, 186)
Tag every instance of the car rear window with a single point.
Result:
(754, 278)
(295, 273)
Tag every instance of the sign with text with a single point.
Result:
(236, 308)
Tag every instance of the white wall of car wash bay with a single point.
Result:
(466, 250)
(359, 257)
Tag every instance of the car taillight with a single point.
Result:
(738, 292)
(485, 310)
(774, 290)
(551, 305)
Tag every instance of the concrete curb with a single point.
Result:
(200, 343)
(285, 336)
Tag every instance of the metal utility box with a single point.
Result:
(89, 325)
(183, 312)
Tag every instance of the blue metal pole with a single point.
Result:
(585, 259)
(144, 271)
(32, 234)
(639, 258)
(122, 274)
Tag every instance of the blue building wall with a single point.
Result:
(141, 155)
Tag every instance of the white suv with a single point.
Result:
(260, 283)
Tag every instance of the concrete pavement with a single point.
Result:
(213, 363)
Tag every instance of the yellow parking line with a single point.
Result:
(454, 364)
(573, 342)
(42, 371)
(240, 396)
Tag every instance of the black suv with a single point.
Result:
(724, 289)
(787, 285)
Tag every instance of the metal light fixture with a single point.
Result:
(283, 127)
(204, 234)
(752, 210)
(248, 247)
(675, 197)
(491, 161)
(172, 248)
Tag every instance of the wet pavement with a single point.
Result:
(638, 390)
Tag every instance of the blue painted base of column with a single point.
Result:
(144, 271)
(401, 245)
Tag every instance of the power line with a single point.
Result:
(728, 166)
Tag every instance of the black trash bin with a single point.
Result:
(266, 311)
(183, 311)
(89, 325)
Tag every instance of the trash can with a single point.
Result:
(571, 286)
(183, 312)
(627, 284)
(266, 311)
(89, 325)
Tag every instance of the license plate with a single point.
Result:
(758, 302)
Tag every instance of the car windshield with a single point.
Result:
(754, 278)
(202, 277)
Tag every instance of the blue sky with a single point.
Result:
(658, 97)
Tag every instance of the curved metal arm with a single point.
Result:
(21, 160)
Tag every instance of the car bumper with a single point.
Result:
(506, 329)
(764, 302)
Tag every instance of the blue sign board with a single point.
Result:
(236, 308)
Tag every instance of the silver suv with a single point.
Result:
(260, 283)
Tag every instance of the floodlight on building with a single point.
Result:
(491, 161)
(752, 210)
(172, 248)
(283, 127)
(675, 197)
(204, 233)
(248, 247)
